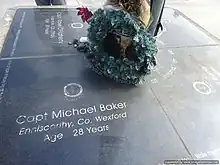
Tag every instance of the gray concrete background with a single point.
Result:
(203, 12)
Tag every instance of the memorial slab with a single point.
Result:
(39, 32)
(189, 91)
(55, 111)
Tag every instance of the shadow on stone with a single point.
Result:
(102, 82)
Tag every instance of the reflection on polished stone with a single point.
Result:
(39, 32)
(56, 111)
(107, 123)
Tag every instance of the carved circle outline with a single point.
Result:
(73, 84)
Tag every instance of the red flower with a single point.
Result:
(85, 13)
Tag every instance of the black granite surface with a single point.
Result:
(36, 86)
(173, 116)
(39, 32)
(189, 92)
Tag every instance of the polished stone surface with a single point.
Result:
(38, 32)
(36, 86)
(188, 89)
(174, 115)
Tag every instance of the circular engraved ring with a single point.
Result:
(73, 90)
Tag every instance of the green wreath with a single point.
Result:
(129, 70)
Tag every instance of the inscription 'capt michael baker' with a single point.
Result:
(88, 110)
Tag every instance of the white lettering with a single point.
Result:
(58, 115)
(40, 128)
(46, 128)
(52, 126)
(21, 131)
(104, 118)
(111, 117)
(99, 129)
(83, 111)
(69, 113)
(102, 107)
(60, 136)
(31, 119)
(78, 132)
(69, 124)
(109, 107)
(27, 131)
(47, 138)
(91, 109)
(21, 119)
(112, 106)
(53, 138)
(116, 116)
(59, 15)
(89, 129)
(3, 83)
